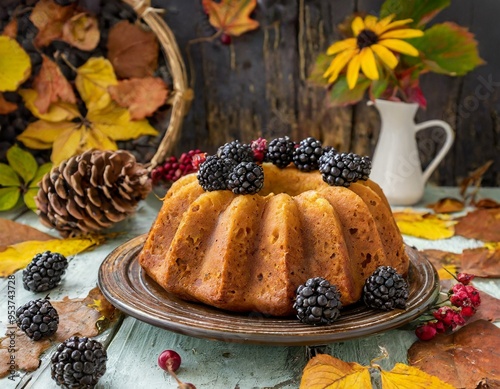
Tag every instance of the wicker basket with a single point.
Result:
(182, 94)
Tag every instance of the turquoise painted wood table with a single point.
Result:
(133, 346)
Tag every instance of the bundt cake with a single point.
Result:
(250, 252)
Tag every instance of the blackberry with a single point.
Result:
(78, 363)
(317, 302)
(37, 319)
(44, 272)
(385, 289)
(306, 155)
(280, 151)
(236, 151)
(246, 178)
(214, 172)
(341, 169)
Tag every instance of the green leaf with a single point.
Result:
(29, 198)
(8, 176)
(341, 95)
(448, 48)
(22, 162)
(421, 11)
(319, 68)
(378, 87)
(42, 170)
(8, 198)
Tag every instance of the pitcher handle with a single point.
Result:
(450, 136)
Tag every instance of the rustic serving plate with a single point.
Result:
(125, 284)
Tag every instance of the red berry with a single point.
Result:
(474, 295)
(465, 278)
(468, 311)
(426, 332)
(169, 360)
(450, 317)
(225, 39)
(259, 147)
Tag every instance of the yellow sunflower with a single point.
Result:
(374, 41)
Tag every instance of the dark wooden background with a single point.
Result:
(257, 85)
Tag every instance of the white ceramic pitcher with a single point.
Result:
(396, 163)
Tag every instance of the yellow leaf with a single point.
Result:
(15, 64)
(57, 112)
(230, 16)
(425, 225)
(324, 371)
(116, 123)
(406, 377)
(19, 255)
(67, 144)
(92, 81)
(41, 134)
(446, 272)
(492, 246)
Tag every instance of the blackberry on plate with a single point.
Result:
(341, 169)
(246, 178)
(37, 319)
(306, 155)
(280, 151)
(385, 289)
(44, 272)
(317, 302)
(238, 152)
(78, 362)
(214, 172)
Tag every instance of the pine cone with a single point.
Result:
(91, 191)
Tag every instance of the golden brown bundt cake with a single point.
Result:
(251, 252)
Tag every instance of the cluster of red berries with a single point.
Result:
(464, 299)
(173, 168)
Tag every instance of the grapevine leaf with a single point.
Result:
(15, 64)
(232, 17)
(141, 96)
(8, 176)
(132, 50)
(6, 107)
(421, 11)
(448, 48)
(9, 197)
(82, 32)
(57, 112)
(467, 358)
(22, 162)
(406, 377)
(51, 86)
(17, 256)
(325, 371)
(49, 18)
(92, 81)
(425, 225)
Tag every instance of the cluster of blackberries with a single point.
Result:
(318, 302)
(232, 168)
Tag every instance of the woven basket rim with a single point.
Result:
(182, 94)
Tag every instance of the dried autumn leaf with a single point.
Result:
(82, 32)
(232, 17)
(15, 64)
(325, 371)
(488, 310)
(76, 317)
(407, 377)
(51, 86)
(141, 96)
(482, 262)
(424, 225)
(17, 256)
(474, 179)
(462, 358)
(49, 18)
(6, 107)
(481, 224)
(444, 261)
(447, 205)
(487, 203)
(10, 29)
(132, 50)
(57, 112)
(13, 232)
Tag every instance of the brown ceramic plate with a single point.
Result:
(125, 284)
